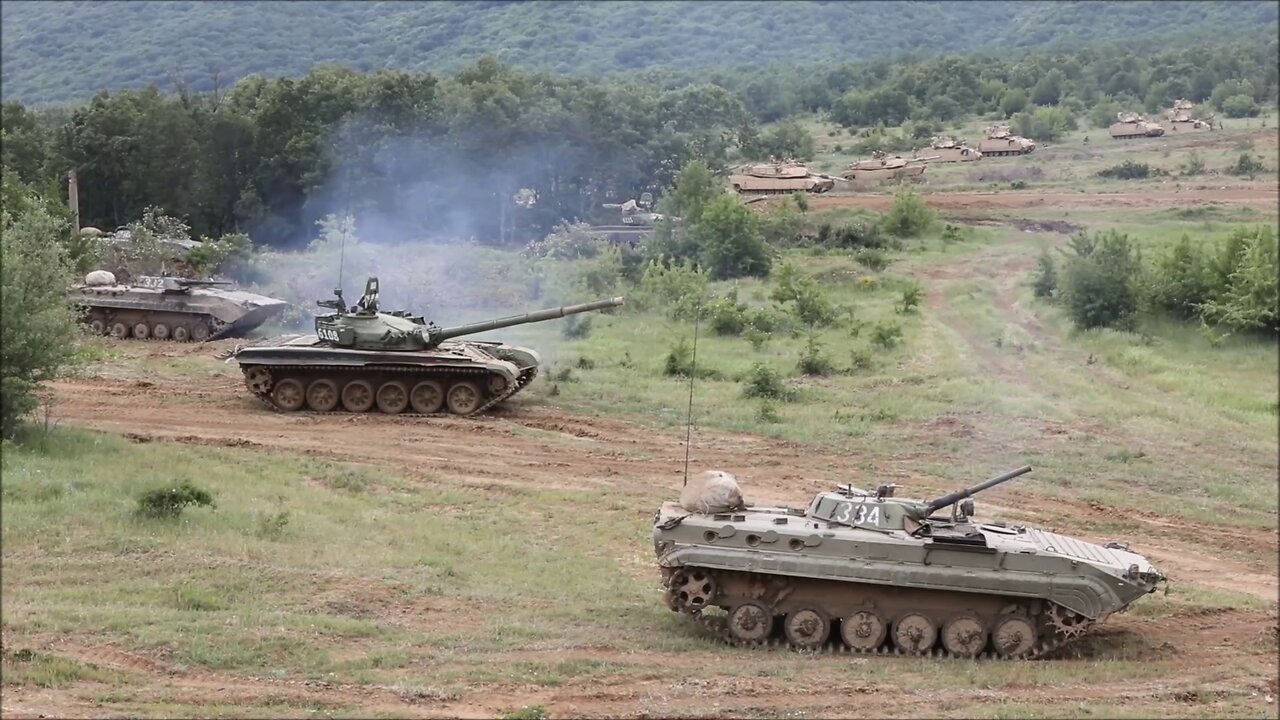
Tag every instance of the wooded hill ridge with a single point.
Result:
(67, 51)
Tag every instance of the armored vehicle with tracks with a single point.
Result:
(999, 141)
(1180, 118)
(946, 149)
(1131, 126)
(870, 572)
(169, 308)
(882, 168)
(364, 358)
(778, 178)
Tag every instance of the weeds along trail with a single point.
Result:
(1257, 195)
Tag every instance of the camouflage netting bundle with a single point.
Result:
(711, 492)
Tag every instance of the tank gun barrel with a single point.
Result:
(958, 495)
(533, 317)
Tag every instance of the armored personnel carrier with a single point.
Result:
(1130, 126)
(638, 219)
(1179, 117)
(169, 308)
(363, 358)
(881, 168)
(946, 149)
(872, 572)
(1001, 142)
(778, 178)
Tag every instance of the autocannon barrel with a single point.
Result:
(950, 498)
(539, 316)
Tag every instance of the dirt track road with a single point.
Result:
(1256, 195)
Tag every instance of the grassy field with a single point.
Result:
(386, 567)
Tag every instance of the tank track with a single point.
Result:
(521, 382)
(173, 319)
(717, 626)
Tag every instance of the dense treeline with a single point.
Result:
(504, 155)
(69, 50)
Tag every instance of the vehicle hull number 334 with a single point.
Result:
(858, 513)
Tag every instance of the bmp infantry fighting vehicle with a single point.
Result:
(778, 178)
(1130, 125)
(1180, 117)
(1001, 142)
(169, 308)
(638, 219)
(870, 572)
(881, 167)
(364, 358)
(945, 149)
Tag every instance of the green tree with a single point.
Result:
(1014, 100)
(37, 327)
(728, 240)
(1098, 284)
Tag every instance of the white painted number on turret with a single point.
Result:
(325, 333)
(858, 514)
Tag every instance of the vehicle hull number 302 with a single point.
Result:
(329, 334)
(858, 514)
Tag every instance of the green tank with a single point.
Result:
(872, 573)
(363, 358)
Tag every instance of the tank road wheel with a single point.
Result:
(964, 636)
(181, 333)
(357, 396)
(322, 395)
(142, 331)
(807, 628)
(160, 331)
(863, 631)
(914, 633)
(98, 326)
(1014, 636)
(750, 622)
(464, 398)
(692, 589)
(258, 380)
(393, 397)
(119, 330)
(427, 397)
(288, 394)
(200, 331)
(497, 384)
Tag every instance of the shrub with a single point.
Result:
(912, 294)
(1098, 282)
(887, 335)
(767, 412)
(1194, 165)
(728, 240)
(872, 259)
(952, 233)
(909, 217)
(1127, 170)
(230, 254)
(860, 359)
(851, 236)
(784, 227)
(1240, 106)
(1046, 278)
(727, 316)
(757, 338)
(813, 362)
(765, 382)
(529, 712)
(1043, 123)
(1182, 280)
(679, 360)
(801, 199)
(1252, 293)
(808, 303)
(1246, 165)
(37, 327)
(169, 502)
(678, 287)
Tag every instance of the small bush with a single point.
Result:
(767, 412)
(679, 360)
(726, 315)
(813, 362)
(1098, 282)
(586, 363)
(951, 234)
(872, 259)
(887, 335)
(911, 296)
(807, 301)
(530, 712)
(576, 327)
(169, 502)
(678, 288)
(851, 236)
(909, 217)
(768, 320)
(1127, 170)
(1246, 166)
(1046, 279)
(801, 199)
(564, 375)
(765, 382)
(757, 338)
(193, 597)
(1194, 165)
(860, 359)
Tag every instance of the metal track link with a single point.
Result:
(521, 382)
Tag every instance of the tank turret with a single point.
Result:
(366, 327)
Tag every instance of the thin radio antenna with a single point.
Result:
(346, 217)
(693, 374)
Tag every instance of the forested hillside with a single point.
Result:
(68, 51)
